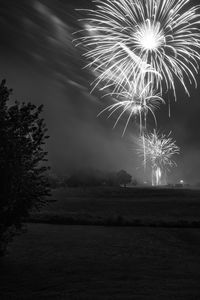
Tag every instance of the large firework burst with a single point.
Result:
(156, 39)
(157, 149)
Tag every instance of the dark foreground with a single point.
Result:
(97, 262)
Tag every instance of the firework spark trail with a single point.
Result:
(159, 149)
(163, 34)
(113, 73)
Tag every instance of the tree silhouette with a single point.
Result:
(123, 178)
(23, 183)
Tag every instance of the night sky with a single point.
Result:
(40, 63)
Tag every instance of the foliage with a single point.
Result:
(123, 178)
(22, 171)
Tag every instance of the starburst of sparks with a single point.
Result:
(134, 99)
(162, 35)
(158, 150)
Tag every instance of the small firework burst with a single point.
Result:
(158, 150)
(135, 100)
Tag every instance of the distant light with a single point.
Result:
(181, 181)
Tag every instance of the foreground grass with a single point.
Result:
(90, 262)
(122, 207)
(115, 261)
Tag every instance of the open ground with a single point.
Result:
(157, 257)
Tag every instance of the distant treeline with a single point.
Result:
(90, 177)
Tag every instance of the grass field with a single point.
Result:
(90, 262)
(139, 262)
(119, 206)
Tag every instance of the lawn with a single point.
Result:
(122, 206)
(97, 262)
(157, 257)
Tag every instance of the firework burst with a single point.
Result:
(135, 100)
(156, 39)
(157, 149)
